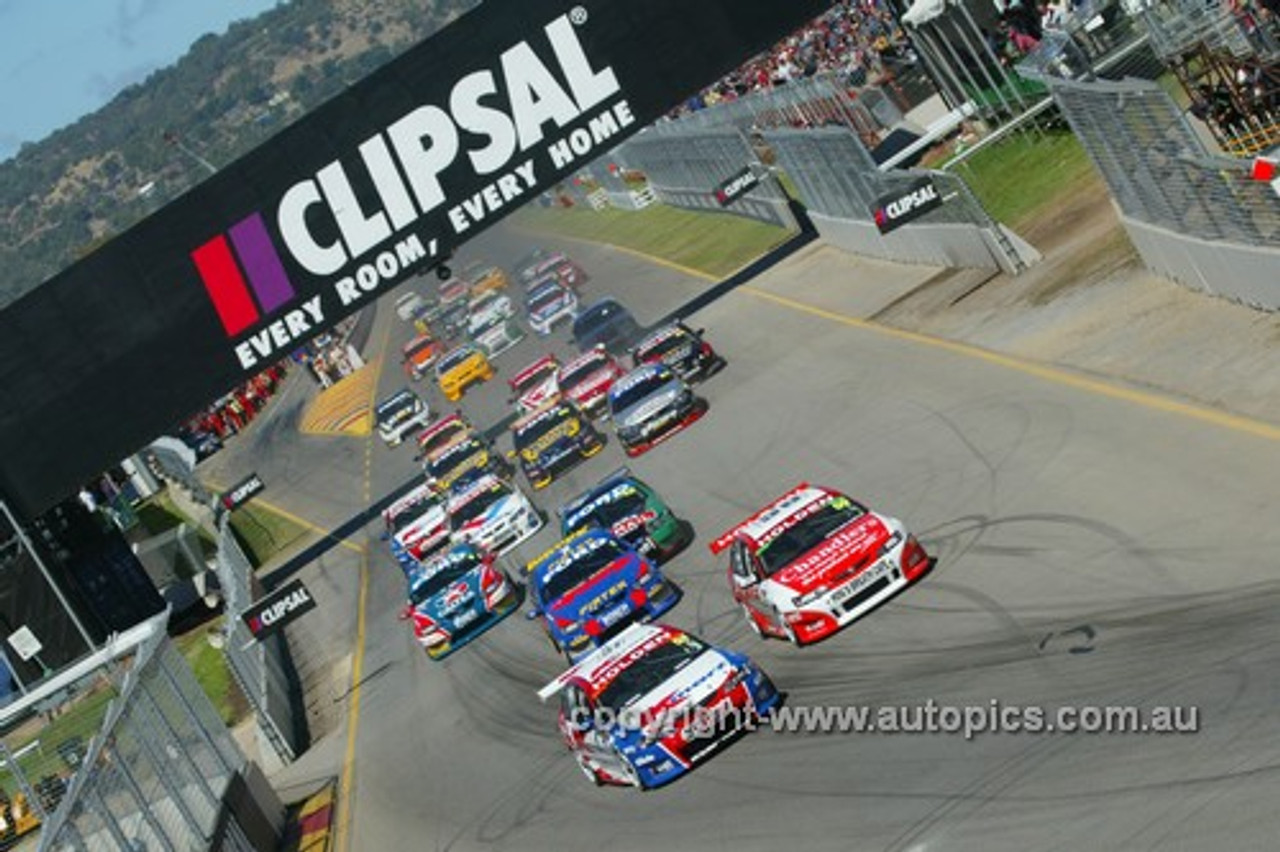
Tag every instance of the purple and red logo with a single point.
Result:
(243, 274)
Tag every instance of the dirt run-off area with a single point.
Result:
(1092, 306)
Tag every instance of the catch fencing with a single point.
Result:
(155, 774)
(261, 667)
(1196, 218)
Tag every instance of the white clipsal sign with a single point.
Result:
(896, 210)
(282, 606)
(25, 643)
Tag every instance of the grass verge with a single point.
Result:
(263, 533)
(714, 243)
(1019, 179)
(210, 667)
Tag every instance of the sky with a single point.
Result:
(62, 59)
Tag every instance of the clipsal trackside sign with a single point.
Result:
(737, 186)
(270, 614)
(356, 197)
(899, 208)
(242, 492)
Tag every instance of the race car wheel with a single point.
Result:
(751, 621)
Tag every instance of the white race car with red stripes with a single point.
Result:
(814, 560)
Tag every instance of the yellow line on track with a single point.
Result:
(1146, 399)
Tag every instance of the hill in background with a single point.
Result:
(66, 195)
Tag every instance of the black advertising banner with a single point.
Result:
(364, 191)
(897, 209)
(272, 613)
(242, 492)
(737, 186)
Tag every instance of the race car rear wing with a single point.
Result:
(721, 543)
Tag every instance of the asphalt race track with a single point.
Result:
(1093, 549)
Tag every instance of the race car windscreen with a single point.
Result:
(648, 673)
(453, 359)
(442, 465)
(581, 569)
(669, 343)
(412, 512)
(493, 320)
(543, 425)
(476, 506)
(389, 409)
(583, 371)
(807, 534)
(536, 378)
(425, 590)
(423, 345)
(545, 296)
(607, 513)
(641, 389)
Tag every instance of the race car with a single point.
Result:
(608, 323)
(654, 702)
(416, 526)
(491, 324)
(469, 454)
(556, 264)
(419, 354)
(454, 597)
(590, 586)
(814, 560)
(550, 440)
(623, 504)
(492, 514)
(680, 348)
(549, 303)
(408, 304)
(587, 378)
(535, 385)
(649, 405)
(398, 415)
(443, 432)
(460, 368)
(485, 278)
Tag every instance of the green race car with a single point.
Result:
(634, 512)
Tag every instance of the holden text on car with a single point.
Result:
(625, 505)
(455, 596)
(535, 385)
(814, 560)
(552, 439)
(587, 378)
(460, 368)
(680, 348)
(590, 586)
(491, 513)
(649, 405)
(399, 415)
(654, 702)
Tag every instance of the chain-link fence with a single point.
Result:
(152, 774)
(260, 667)
(1195, 217)
(840, 184)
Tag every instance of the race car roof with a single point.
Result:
(408, 501)
(656, 337)
(396, 400)
(599, 668)
(546, 409)
(776, 515)
(595, 353)
(532, 370)
(473, 489)
(639, 375)
(595, 493)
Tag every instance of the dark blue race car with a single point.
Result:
(591, 586)
(456, 596)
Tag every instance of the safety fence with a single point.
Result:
(155, 773)
(261, 667)
(1195, 217)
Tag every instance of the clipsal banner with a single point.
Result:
(737, 186)
(374, 186)
(270, 614)
(899, 208)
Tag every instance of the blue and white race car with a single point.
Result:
(549, 303)
(491, 513)
(590, 586)
(456, 596)
(653, 702)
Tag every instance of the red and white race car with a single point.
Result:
(587, 378)
(535, 385)
(814, 560)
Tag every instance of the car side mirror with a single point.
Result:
(406, 613)
(745, 581)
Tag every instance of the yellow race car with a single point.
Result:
(460, 368)
(486, 279)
